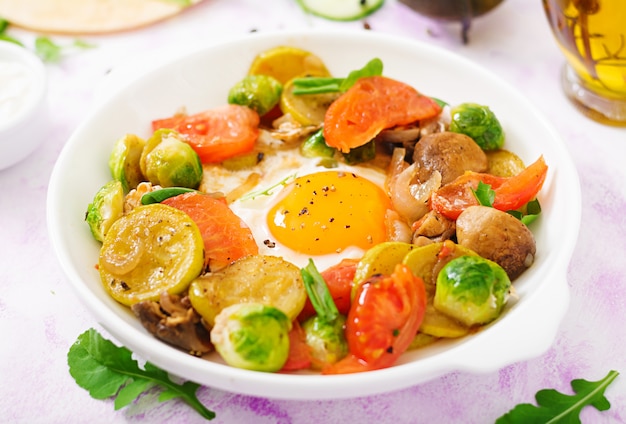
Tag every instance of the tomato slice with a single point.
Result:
(226, 237)
(339, 280)
(299, 352)
(510, 193)
(382, 322)
(371, 105)
(216, 134)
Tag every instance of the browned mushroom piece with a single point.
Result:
(174, 321)
(497, 236)
(449, 153)
(433, 227)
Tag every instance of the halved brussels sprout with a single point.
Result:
(252, 336)
(479, 123)
(167, 160)
(106, 208)
(472, 290)
(124, 161)
(326, 339)
(258, 92)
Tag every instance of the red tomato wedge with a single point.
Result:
(383, 320)
(510, 193)
(299, 352)
(339, 280)
(371, 105)
(216, 134)
(226, 237)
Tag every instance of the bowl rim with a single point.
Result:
(344, 386)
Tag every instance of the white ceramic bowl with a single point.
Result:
(201, 80)
(23, 107)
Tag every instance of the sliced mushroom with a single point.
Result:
(174, 321)
(451, 154)
(497, 236)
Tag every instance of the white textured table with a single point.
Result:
(40, 316)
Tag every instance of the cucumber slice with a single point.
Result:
(341, 10)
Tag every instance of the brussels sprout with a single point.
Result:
(168, 161)
(472, 289)
(361, 154)
(106, 208)
(124, 161)
(479, 123)
(315, 146)
(326, 339)
(252, 336)
(258, 92)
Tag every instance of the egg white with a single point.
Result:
(276, 171)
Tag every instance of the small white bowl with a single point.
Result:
(23, 106)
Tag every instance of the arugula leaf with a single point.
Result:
(557, 407)
(484, 194)
(318, 293)
(318, 85)
(106, 370)
(49, 51)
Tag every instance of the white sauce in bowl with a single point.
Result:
(16, 90)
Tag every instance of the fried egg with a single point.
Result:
(300, 209)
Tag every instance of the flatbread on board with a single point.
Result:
(87, 16)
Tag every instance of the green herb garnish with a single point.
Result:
(106, 370)
(555, 407)
(484, 194)
(269, 190)
(157, 196)
(532, 212)
(318, 293)
(318, 85)
(51, 52)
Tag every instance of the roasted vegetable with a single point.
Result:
(106, 208)
(479, 123)
(326, 339)
(258, 92)
(269, 280)
(472, 290)
(497, 236)
(167, 160)
(153, 248)
(315, 146)
(252, 336)
(124, 161)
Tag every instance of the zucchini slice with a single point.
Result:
(341, 10)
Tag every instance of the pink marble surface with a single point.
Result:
(40, 316)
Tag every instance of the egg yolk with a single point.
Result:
(326, 212)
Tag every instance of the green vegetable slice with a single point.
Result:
(157, 196)
(319, 85)
(341, 10)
